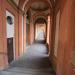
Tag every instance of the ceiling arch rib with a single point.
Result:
(21, 3)
(38, 15)
(40, 20)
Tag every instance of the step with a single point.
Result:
(29, 70)
(17, 73)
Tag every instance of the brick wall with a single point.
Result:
(5, 5)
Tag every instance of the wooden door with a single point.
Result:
(10, 50)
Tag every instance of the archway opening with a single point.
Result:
(40, 30)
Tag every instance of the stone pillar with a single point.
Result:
(31, 31)
(24, 33)
(49, 25)
(20, 33)
(48, 30)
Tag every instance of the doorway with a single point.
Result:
(10, 36)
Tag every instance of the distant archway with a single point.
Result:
(40, 29)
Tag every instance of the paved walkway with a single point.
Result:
(34, 62)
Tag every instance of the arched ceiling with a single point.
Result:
(26, 3)
(22, 3)
(38, 7)
(35, 6)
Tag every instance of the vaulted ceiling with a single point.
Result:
(34, 6)
(24, 3)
